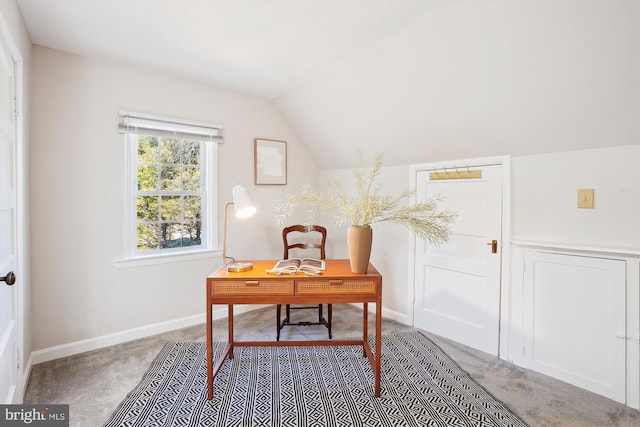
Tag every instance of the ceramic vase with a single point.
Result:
(359, 241)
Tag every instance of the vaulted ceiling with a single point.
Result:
(258, 47)
(417, 80)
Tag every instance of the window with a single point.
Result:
(170, 193)
(171, 184)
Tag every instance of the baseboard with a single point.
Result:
(386, 313)
(77, 347)
(26, 374)
(222, 312)
(398, 317)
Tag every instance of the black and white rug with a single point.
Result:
(311, 386)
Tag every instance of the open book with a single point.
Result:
(310, 266)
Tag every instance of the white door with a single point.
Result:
(8, 294)
(457, 284)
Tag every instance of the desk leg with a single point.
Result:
(378, 343)
(209, 352)
(365, 325)
(231, 331)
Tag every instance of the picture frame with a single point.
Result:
(269, 162)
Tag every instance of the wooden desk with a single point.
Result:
(336, 285)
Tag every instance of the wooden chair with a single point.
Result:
(304, 234)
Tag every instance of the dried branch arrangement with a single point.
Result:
(369, 206)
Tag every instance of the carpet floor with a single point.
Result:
(311, 386)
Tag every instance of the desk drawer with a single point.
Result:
(252, 287)
(335, 286)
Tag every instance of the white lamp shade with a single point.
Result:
(242, 202)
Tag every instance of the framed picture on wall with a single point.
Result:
(270, 162)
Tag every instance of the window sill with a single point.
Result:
(141, 261)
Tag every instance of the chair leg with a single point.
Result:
(278, 326)
(287, 319)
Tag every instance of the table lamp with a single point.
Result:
(244, 209)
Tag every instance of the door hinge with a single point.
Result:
(18, 360)
(15, 107)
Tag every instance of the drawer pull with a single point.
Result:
(335, 282)
(252, 283)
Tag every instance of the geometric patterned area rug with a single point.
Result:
(311, 386)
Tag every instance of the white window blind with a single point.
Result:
(148, 124)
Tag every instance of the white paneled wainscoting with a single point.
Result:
(575, 315)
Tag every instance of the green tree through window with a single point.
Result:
(170, 194)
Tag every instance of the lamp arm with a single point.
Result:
(224, 250)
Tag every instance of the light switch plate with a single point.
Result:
(585, 198)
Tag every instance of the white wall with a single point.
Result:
(543, 208)
(512, 89)
(77, 184)
(550, 232)
(544, 198)
(490, 78)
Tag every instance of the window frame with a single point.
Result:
(209, 246)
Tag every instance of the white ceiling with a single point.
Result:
(415, 80)
(258, 47)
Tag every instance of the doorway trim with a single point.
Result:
(22, 224)
(505, 283)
